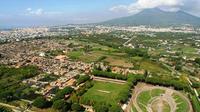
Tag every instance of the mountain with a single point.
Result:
(156, 17)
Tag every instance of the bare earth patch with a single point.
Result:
(103, 91)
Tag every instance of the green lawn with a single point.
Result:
(157, 92)
(104, 92)
(182, 105)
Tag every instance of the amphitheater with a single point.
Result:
(148, 98)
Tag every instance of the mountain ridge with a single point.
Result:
(156, 17)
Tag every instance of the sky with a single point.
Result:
(22, 13)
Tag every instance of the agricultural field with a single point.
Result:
(154, 67)
(105, 92)
(105, 54)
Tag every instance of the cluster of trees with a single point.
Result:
(102, 107)
(49, 78)
(131, 82)
(109, 75)
(82, 78)
(20, 73)
(11, 87)
(176, 83)
(103, 39)
(5, 109)
(196, 84)
(54, 53)
(59, 102)
(73, 102)
(195, 103)
(87, 48)
(75, 97)
(197, 60)
(136, 52)
(41, 102)
(61, 94)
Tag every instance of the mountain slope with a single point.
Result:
(156, 17)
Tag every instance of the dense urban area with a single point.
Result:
(99, 68)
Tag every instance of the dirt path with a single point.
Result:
(103, 91)
(16, 109)
(108, 80)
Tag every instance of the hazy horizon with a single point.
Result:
(23, 13)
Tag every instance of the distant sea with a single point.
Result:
(7, 28)
(12, 27)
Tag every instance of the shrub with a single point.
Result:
(83, 78)
(109, 75)
(58, 104)
(41, 102)
(61, 94)
(77, 108)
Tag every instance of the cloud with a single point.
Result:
(166, 5)
(40, 12)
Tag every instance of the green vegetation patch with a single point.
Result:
(133, 109)
(11, 87)
(108, 93)
(144, 98)
(153, 67)
(182, 105)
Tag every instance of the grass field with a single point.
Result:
(104, 92)
(153, 67)
(182, 105)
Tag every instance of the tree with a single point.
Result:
(197, 60)
(178, 67)
(41, 102)
(66, 107)
(74, 98)
(87, 48)
(77, 108)
(61, 94)
(1, 55)
(5, 109)
(83, 78)
(58, 104)
(109, 69)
